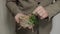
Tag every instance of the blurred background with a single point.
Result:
(7, 25)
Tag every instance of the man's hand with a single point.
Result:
(40, 11)
(17, 17)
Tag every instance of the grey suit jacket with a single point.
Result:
(27, 6)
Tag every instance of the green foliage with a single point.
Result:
(33, 19)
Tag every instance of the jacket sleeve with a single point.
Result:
(11, 4)
(53, 9)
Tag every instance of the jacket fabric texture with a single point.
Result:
(27, 7)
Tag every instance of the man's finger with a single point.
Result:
(37, 9)
(44, 16)
(17, 19)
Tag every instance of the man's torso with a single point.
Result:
(27, 6)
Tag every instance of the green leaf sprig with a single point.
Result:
(33, 19)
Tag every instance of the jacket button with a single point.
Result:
(38, 3)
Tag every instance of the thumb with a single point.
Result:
(17, 19)
(34, 12)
